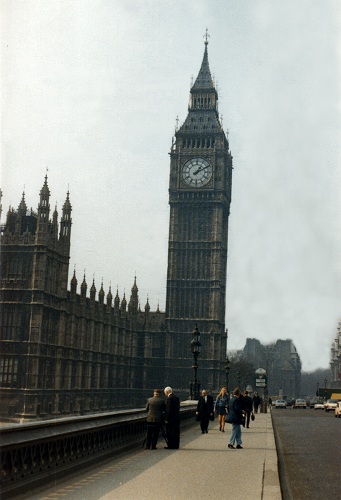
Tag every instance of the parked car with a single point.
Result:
(330, 405)
(280, 403)
(318, 406)
(299, 403)
(338, 410)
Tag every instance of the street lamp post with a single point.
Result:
(227, 370)
(195, 347)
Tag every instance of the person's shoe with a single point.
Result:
(239, 447)
(154, 448)
(223, 430)
(202, 432)
(206, 431)
(248, 427)
(220, 427)
(231, 446)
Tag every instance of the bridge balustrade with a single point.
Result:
(34, 451)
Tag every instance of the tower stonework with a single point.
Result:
(199, 197)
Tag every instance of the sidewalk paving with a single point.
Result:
(202, 468)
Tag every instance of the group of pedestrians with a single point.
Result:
(236, 410)
(163, 412)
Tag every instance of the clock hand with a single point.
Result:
(199, 170)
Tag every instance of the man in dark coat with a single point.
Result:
(247, 402)
(172, 419)
(205, 409)
(256, 402)
(156, 410)
(234, 417)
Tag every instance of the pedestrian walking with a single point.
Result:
(205, 411)
(220, 406)
(247, 408)
(155, 412)
(256, 402)
(234, 417)
(172, 419)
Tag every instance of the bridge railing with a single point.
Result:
(36, 451)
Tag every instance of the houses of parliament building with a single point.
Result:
(67, 348)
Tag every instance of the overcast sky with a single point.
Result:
(91, 90)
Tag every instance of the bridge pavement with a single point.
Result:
(203, 467)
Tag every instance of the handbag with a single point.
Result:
(229, 419)
(252, 416)
(212, 417)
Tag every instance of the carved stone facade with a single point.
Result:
(199, 197)
(63, 352)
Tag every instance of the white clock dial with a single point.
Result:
(196, 172)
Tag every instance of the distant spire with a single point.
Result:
(22, 206)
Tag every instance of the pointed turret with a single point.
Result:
(134, 300)
(84, 287)
(147, 306)
(73, 284)
(43, 214)
(55, 224)
(93, 291)
(21, 214)
(101, 295)
(117, 304)
(124, 305)
(22, 209)
(109, 299)
(65, 224)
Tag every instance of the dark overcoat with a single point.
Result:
(235, 414)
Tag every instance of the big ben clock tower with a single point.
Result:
(199, 198)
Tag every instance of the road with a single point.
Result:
(309, 451)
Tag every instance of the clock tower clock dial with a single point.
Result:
(199, 198)
(196, 172)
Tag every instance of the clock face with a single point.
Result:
(196, 172)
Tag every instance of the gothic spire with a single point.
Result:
(204, 79)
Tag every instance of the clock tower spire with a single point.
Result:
(199, 198)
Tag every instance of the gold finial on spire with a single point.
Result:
(206, 36)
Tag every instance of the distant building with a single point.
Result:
(335, 359)
(282, 363)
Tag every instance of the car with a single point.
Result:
(299, 403)
(280, 403)
(330, 405)
(338, 410)
(318, 406)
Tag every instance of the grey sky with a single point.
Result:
(92, 89)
